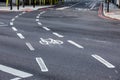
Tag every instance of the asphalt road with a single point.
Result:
(68, 42)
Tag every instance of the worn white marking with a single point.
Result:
(21, 36)
(93, 6)
(47, 29)
(20, 14)
(30, 46)
(16, 16)
(14, 29)
(39, 23)
(23, 12)
(103, 61)
(41, 64)
(13, 19)
(37, 19)
(62, 8)
(58, 35)
(75, 44)
(17, 78)
(15, 72)
(42, 12)
(11, 23)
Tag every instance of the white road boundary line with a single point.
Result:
(75, 44)
(29, 46)
(58, 35)
(14, 29)
(103, 61)
(11, 23)
(47, 29)
(15, 72)
(17, 78)
(41, 64)
(21, 36)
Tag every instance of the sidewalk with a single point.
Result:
(114, 11)
(26, 8)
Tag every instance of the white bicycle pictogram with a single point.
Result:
(50, 41)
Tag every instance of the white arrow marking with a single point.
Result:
(42, 64)
(15, 72)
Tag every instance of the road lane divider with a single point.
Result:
(58, 35)
(17, 78)
(15, 72)
(14, 29)
(37, 19)
(11, 23)
(75, 44)
(20, 36)
(13, 19)
(16, 16)
(29, 46)
(103, 61)
(46, 28)
(39, 23)
(41, 64)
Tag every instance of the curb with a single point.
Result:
(102, 14)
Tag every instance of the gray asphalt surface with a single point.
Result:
(90, 35)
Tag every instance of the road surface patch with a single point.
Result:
(41, 64)
(58, 35)
(20, 36)
(103, 61)
(15, 72)
(29, 46)
(75, 44)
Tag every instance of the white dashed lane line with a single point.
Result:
(14, 29)
(39, 23)
(41, 64)
(75, 44)
(17, 78)
(11, 23)
(20, 36)
(13, 19)
(103, 61)
(29, 46)
(58, 35)
(16, 16)
(37, 19)
(47, 29)
(15, 72)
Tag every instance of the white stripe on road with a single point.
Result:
(1, 23)
(58, 35)
(46, 28)
(17, 78)
(103, 61)
(15, 72)
(16, 16)
(14, 29)
(40, 23)
(37, 19)
(30, 46)
(21, 36)
(13, 20)
(41, 64)
(75, 44)
(42, 12)
(11, 23)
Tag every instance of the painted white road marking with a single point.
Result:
(50, 41)
(75, 44)
(23, 12)
(37, 19)
(41, 64)
(58, 35)
(13, 20)
(15, 72)
(30, 46)
(21, 36)
(42, 12)
(16, 16)
(103, 61)
(46, 28)
(62, 8)
(14, 29)
(11, 23)
(17, 78)
(40, 23)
